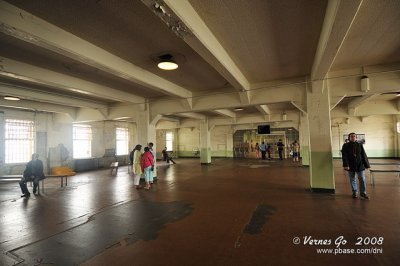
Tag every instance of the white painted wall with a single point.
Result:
(221, 143)
(188, 140)
(379, 134)
(59, 133)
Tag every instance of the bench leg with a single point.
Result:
(373, 179)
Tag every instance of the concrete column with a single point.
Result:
(304, 139)
(205, 143)
(319, 121)
(2, 138)
(146, 132)
(229, 144)
(396, 119)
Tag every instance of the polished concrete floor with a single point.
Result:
(232, 212)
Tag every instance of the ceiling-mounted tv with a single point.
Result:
(263, 129)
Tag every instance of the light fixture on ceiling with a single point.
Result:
(238, 109)
(167, 62)
(11, 98)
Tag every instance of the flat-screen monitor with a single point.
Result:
(264, 129)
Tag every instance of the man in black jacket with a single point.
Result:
(33, 172)
(355, 160)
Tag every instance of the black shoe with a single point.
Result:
(365, 196)
(354, 195)
(26, 195)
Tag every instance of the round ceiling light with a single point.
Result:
(167, 62)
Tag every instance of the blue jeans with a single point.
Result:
(353, 181)
(148, 175)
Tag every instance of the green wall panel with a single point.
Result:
(321, 170)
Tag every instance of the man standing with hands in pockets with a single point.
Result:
(355, 160)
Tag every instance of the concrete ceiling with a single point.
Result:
(258, 55)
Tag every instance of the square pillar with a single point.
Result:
(319, 120)
(205, 143)
(304, 139)
(146, 132)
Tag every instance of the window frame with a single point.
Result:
(79, 137)
(23, 140)
(125, 140)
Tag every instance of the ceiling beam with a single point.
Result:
(299, 107)
(193, 115)
(225, 112)
(264, 109)
(361, 100)
(20, 24)
(171, 119)
(339, 17)
(29, 94)
(337, 101)
(277, 94)
(43, 107)
(367, 109)
(207, 45)
(24, 72)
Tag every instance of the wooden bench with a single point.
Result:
(373, 171)
(18, 178)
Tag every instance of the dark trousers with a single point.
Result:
(24, 180)
(280, 154)
(263, 154)
(170, 159)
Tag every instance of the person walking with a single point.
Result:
(269, 150)
(257, 149)
(33, 172)
(263, 149)
(355, 161)
(153, 153)
(295, 150)
(136, 166)
(280, 146)
(166, 157)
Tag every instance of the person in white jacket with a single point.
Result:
(136, 167)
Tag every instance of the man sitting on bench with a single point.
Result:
(33, 172)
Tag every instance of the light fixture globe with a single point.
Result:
(11, 98)
(167, 62)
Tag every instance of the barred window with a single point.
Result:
(19, 140)
(122, 141)
(169, 141)
(82, 141)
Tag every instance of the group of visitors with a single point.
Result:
(354, 158)
(143, 163)
(264, 148)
